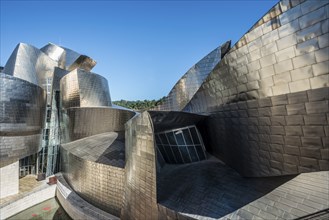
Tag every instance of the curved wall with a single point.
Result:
(83, 89)
(30, 64)
(186, 87)
(84, 122)
(56, 53)
(140, 197)
(21, 118)
(268, 97)
(99, 184)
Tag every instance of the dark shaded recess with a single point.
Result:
(210, 189)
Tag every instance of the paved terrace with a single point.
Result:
(27, 184)
(211, 190)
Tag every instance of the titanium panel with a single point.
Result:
(83, 122)
(75, 60)
(258, 94)
(30, 64)
(140, 196)
(21, 118)
(56, 53)
(82, 89)
(186, 87)
(97, 183)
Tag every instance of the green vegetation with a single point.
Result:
(139, 105)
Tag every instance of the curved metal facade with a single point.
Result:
(82, 89)
(269, 94)
(30, 64)
(21, 118)
(87, 168)
(191, 81)
(85, 122)
(140, 196)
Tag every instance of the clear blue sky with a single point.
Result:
(141, 47)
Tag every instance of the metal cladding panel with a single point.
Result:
(84, 122)
(69, 87)
(21, 117)
(186, 87)
(56, 53)
(268, 96)
(99, 184)
(13, 148)
(30, 64)
(286, 51)
(75, 60)
(140, 200)
(82, 89)
(94, 90)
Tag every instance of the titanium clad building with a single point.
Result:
(258, 110)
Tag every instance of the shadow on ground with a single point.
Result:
(210, 188)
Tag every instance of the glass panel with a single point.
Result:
(185, 154)
(179, 138)
(157, 139)
(200, 152)
(193, 153)
(187, 137)
(163, 139)
(194, 136)
(171, 138)
(170, 155)
(177, 154)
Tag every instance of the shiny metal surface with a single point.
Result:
(83, 89)
(56, 53)
(268, 96)
(284, 52)
(29, 63)
(140, 196)
(75, 60)
(83, 122)
(186, 87)
(21, 118)
(87, 165)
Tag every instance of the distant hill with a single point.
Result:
(139, 105)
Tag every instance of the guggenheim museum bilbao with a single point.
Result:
(242, 135)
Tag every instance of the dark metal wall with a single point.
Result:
(21, 118)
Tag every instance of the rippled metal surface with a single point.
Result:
(83, 122)
(83, 89)
(186, 87)
(21, 118)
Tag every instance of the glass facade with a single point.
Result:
(181, 145)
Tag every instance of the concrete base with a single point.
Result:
(9, 180)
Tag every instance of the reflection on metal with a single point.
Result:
(75, 60)
(84, 122)
(82, 89)
(21, 119)
(56, 53)
(182, 145)
(93, 167)
(186, 87)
